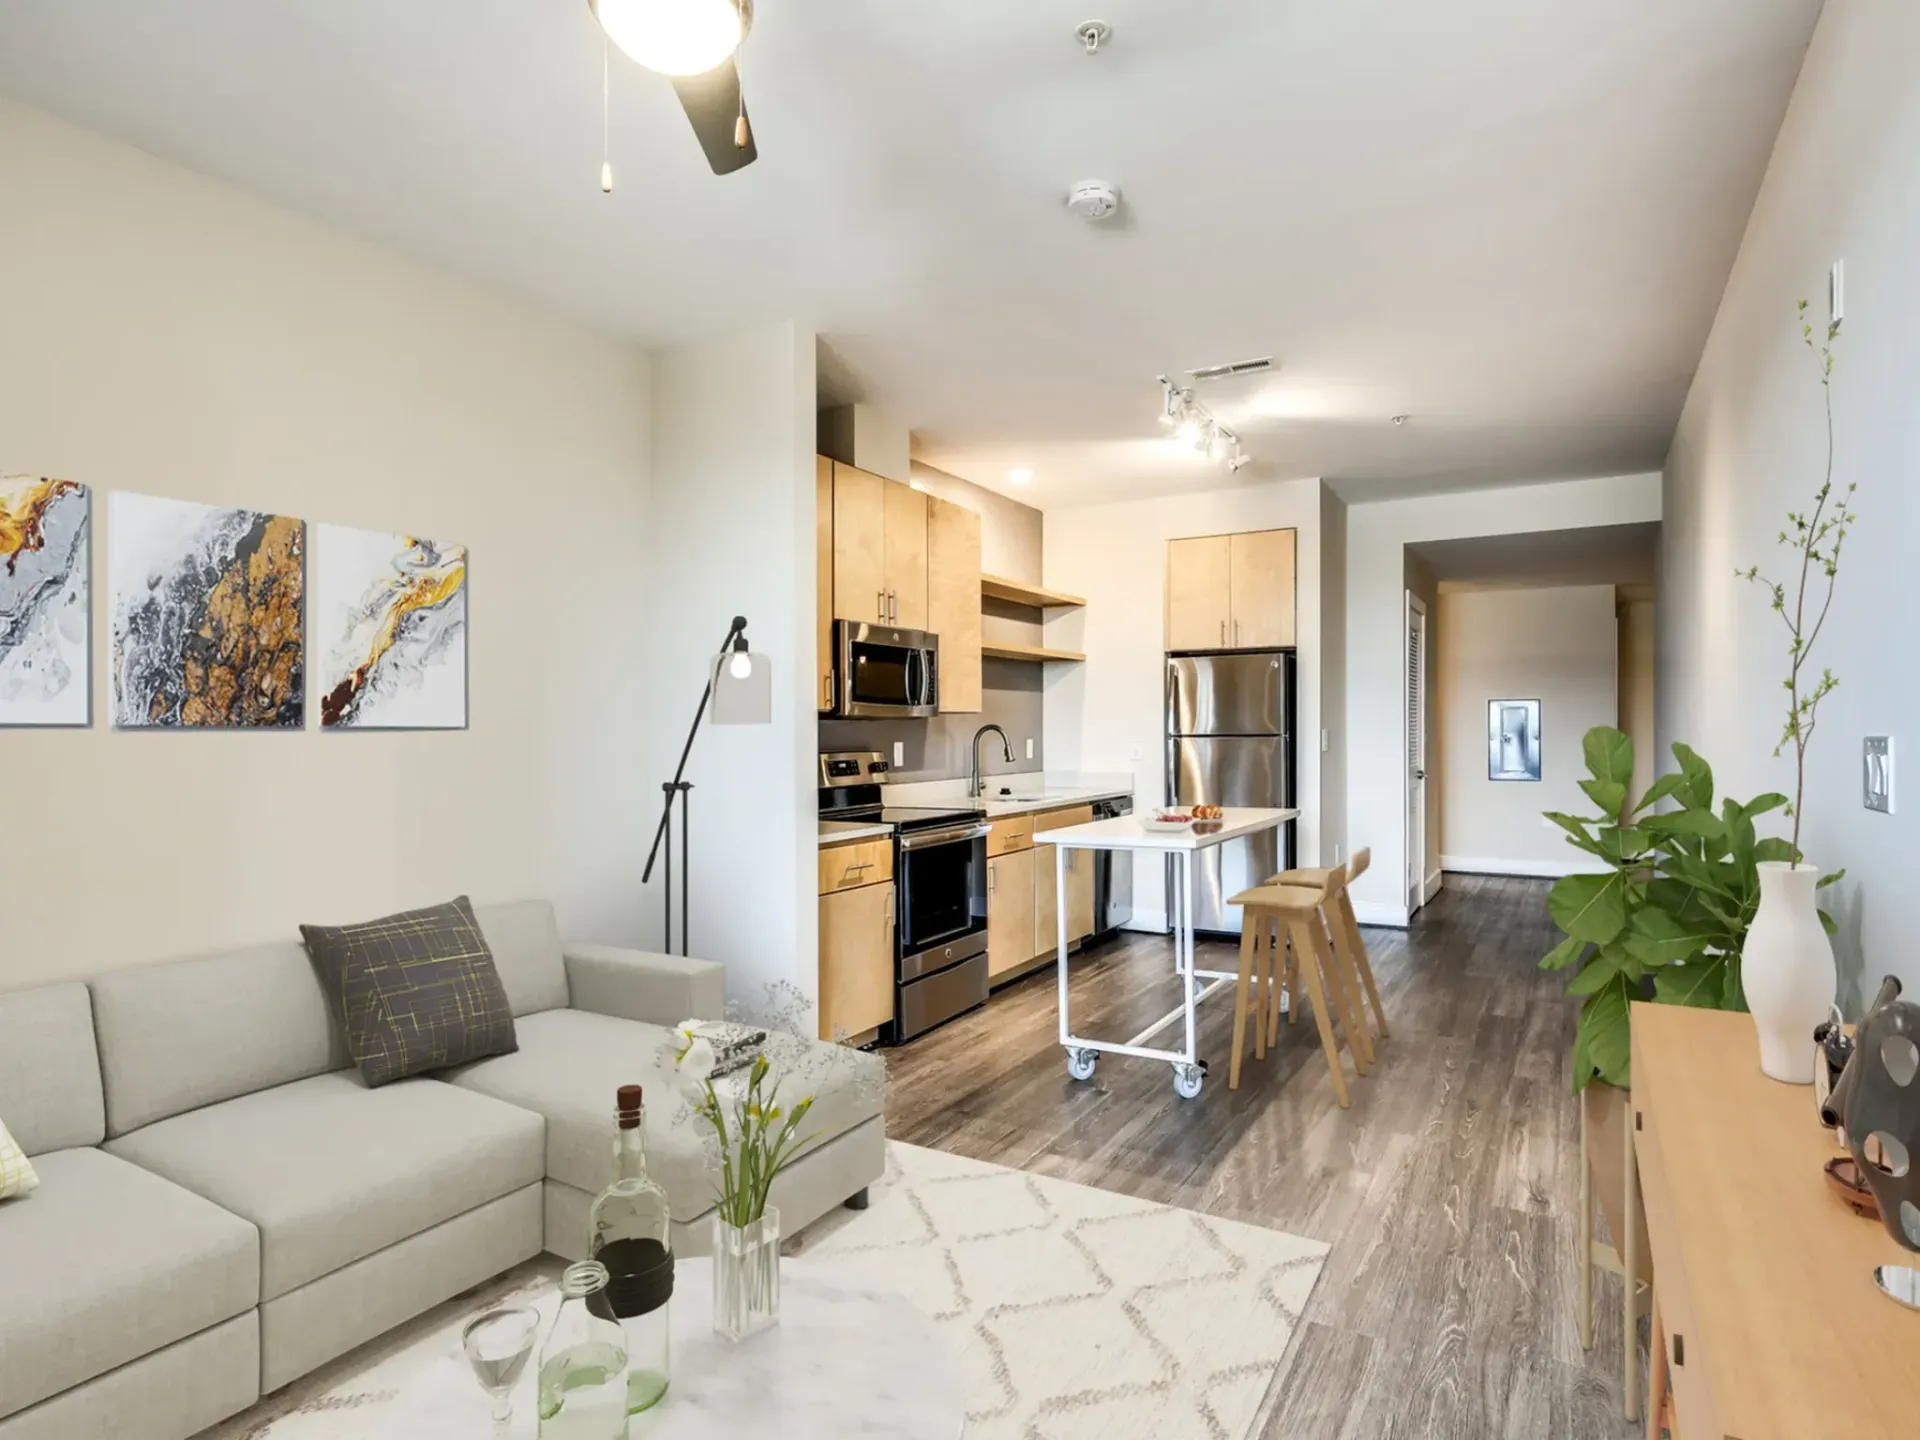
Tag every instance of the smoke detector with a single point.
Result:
(1093, 200)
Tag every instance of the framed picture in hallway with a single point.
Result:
(390, 624)
(1513, 739)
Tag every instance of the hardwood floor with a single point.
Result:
(1448, 1192)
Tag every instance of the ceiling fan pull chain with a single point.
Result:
(606, 157)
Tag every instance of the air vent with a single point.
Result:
(1238, 367)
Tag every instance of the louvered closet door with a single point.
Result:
(1416, 738)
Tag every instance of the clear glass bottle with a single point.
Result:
(630, 1232)
(583, 1365)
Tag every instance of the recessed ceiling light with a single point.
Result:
(1020, 475)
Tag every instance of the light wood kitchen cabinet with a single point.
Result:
(1199, 593)
(823, 563)
(860, 862)
(1013, 833)
(906, 555)
(1009, 911)
(856, 961)
(1231, 592)
(953, 600)
(1046, 884)
(1260, 566)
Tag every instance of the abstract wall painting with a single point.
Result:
(390, 624)
(207, 616)
(46, 677)
(1513, 739)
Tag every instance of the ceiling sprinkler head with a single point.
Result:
(1093, 34)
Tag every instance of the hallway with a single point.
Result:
(1448, 1191)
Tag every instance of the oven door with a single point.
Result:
(884, 672)
(941, 878)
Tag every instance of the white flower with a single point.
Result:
(694, 1057)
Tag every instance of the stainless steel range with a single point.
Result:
(939, 896)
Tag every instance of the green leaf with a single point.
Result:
(1622, 843)
(1609, 755)
(1564, 954)
(1761, 804)
(1589, 907)
(1825, 880)
(1608, 1049)
(1658, 791)
(1695, 789)
(1699, 823)
(1605, 968)
(1655, 938)
(1609, 796)
(1829, 924)
(1774, 847)
(1699, 986)
(1577, 831)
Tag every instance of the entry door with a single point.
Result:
(1416, 733)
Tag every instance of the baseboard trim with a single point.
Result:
(1530, 869)
(1378, 912)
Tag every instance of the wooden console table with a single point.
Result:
(1766, 1321)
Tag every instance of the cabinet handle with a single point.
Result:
(1236, 632)
(893, 607)
(1223, 634)
(880, 605)
(993, 876)
(1679, 1352)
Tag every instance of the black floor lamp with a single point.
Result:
(740, 692)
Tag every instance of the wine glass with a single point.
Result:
(498, 1345)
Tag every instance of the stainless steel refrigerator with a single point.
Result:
(1230, 742)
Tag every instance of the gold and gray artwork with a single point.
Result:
(207, 616)
(390, 622)
(44, 601)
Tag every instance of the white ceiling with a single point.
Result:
(1622, 555)
(1510, 219)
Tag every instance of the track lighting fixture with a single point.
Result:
(1193, 424)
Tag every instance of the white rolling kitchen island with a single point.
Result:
(1126, 832)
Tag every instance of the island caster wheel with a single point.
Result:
(1187, 1080)
(1080, 1063)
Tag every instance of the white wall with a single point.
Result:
(167, 334)
(1109, 714)
(1377, 537)
(1751, 445)
(1558, 646)
(732, 533)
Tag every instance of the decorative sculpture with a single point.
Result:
(1879, 1096)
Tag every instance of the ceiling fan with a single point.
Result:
(694, 43)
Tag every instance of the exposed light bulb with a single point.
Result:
(1020, 475)
(1189, 431)
(606, 177)
(673, 37)
(741, 665)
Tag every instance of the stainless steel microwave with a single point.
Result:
(882, 673)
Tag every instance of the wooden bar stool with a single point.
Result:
(1352, 949)
(1288, 917)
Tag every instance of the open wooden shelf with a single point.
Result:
(1017, 592)
(993, 650)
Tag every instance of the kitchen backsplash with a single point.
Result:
(941, 748)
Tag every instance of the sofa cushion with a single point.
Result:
(418, 990)
(49, 1069)
(525, 942)
(106, 1264)
(189, 1033)
(570, 1063)
(331, 1171)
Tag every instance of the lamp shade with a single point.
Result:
(673, 37)
(742, 688)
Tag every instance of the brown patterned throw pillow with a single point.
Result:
(418, 990)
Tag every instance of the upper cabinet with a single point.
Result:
(953, 600)
(1231, 592)
(823, 563)
(906, 556)
(879, 550)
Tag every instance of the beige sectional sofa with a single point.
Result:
(224, 1204)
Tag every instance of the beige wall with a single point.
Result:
(1558, 646)
(166, 334)
(1636, 620)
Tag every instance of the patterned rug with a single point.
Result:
(1077, 1314)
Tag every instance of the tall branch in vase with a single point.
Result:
(1814, 538)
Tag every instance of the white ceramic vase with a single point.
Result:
(1787, 970)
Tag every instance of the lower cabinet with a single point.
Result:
(1009, 911)
(856, 961)
(1046, 885)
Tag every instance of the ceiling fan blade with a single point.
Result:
(712, 103)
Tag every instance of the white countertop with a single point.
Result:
(1058, 798)
(836, 832)
(1125, 832)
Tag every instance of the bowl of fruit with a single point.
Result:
(1208, 819)
(1183, 819)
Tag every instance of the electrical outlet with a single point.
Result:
(899, 752)
(1029, 747)
(1837, 293)
(1876, 773)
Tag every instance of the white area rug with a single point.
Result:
(1077, 1314)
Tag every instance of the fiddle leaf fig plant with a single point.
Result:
(1666, 917)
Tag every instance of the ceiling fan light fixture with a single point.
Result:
(673, 37)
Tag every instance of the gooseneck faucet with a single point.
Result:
(975, 787)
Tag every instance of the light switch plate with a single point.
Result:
(1029, 747)
(1876, 773)
(1837, 292)
(899, 752)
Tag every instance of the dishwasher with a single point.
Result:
(1112, 876)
